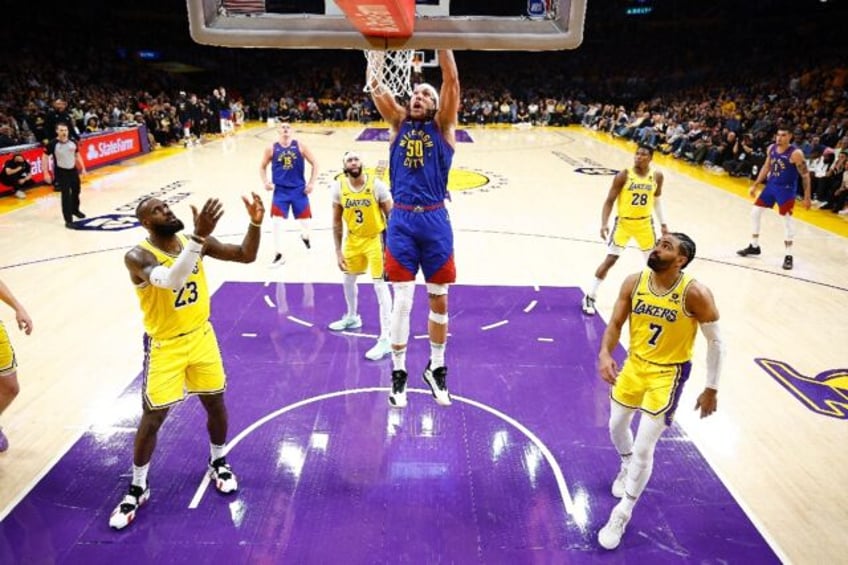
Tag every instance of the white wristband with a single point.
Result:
(715, 353)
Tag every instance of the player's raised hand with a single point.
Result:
(207, 218)
(255, 207)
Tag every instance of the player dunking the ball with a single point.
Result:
(419, 234)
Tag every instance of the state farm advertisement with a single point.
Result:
(102, 149)
(96, 150)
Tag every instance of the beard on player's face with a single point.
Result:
(169, 228)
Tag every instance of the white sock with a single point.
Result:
(140, 475)
(304, 228)
(216, 451)
(756, 218)
(593, 287)
(437, 355)
(399, 359)
(351, 294)
(278, 225)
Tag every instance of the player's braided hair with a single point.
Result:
(687, 247)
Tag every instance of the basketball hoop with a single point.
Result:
(390, 71)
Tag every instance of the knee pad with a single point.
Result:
(438, 318)
(437, 289)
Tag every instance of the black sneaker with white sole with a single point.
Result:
(436, 380)
(788, 263)
(123, 514)
(750, 250)
(397, 398)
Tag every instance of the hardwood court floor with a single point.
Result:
(526, 210)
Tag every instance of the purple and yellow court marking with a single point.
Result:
(517, 470)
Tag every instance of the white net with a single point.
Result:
(389, 71)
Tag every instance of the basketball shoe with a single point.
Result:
(397, 398)
(222, 474)
(123, 514)
(610, 535)
(788, 263)
(380, 350)
(279, 261)
(436, 380)
(588, 305)
(750, 250)
(346, 323)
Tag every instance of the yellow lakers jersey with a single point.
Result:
(661, 331)
(360, 210)
(169, 313)
(636, 199)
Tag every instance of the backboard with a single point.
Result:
(510, 25)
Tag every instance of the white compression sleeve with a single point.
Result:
(174, 277)
(402, 307)
(658, 210)
(715, 353)
(351, 294)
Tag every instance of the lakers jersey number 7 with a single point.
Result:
(661, 331)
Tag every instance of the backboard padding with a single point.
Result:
(211, 25)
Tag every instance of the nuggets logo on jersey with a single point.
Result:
(287, 157)
(414, 142)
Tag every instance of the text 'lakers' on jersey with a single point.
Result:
(660, 329)
(636, 199)
(360, 210)
(169, 313)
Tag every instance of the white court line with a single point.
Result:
(567, 501)
(536, 287)
(301, 322)
(530, 306)
(545, 339)
(248, 335)
(495, 325)
(372, 336)
(269, 302)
